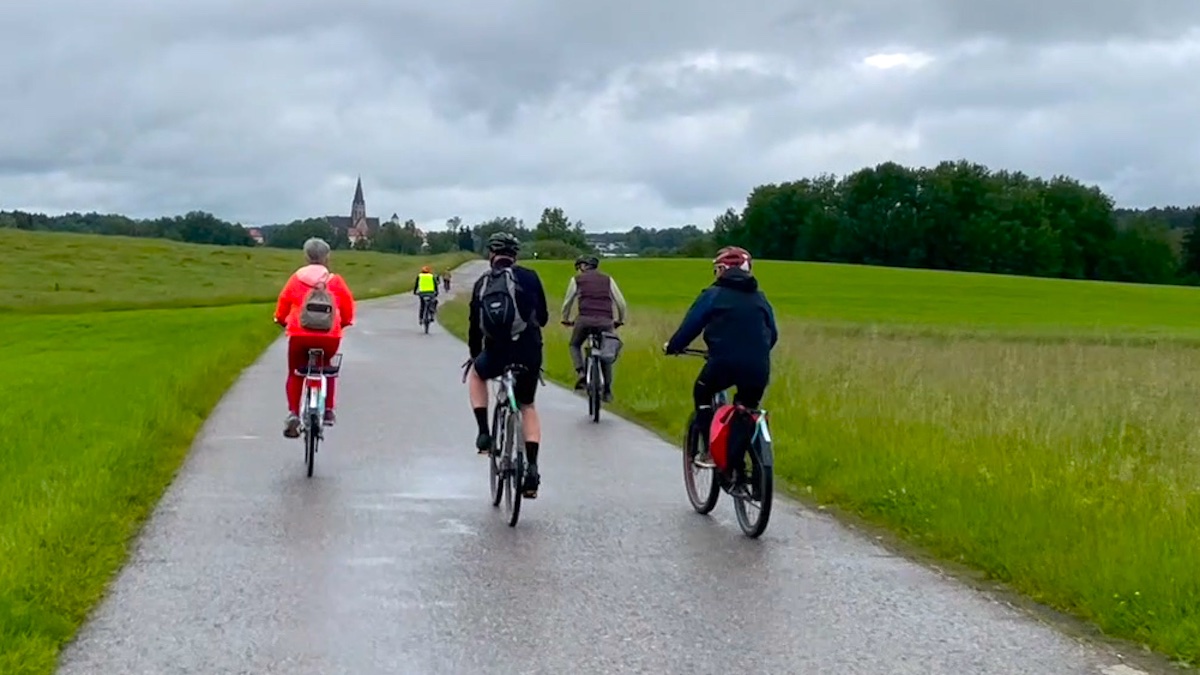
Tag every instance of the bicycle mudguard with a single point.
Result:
(762, 438)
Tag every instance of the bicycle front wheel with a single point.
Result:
(703, 500)
(753, 505)
(594, 398)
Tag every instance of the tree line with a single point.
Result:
(954, 216)
(196, 227)
(962, 216)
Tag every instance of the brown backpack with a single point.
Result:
(316, 312)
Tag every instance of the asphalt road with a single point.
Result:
(391, 558)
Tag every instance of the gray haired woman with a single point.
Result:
(314, 275)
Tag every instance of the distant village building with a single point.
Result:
(257, 235)
(358, 226)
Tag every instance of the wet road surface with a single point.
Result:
(391, 558)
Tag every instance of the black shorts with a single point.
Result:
(491, 363)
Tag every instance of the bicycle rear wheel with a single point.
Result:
(703, 500)
(753, 510)
(514, 442)
(594, 398)
(494, 457)
(312, 436)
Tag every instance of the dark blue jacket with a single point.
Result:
(737, 321)
(531, 304)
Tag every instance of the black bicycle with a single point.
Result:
(593, 374)
(746, 472)
(429, 313)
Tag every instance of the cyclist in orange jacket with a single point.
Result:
(300, 339)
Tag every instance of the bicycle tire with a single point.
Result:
(764, 478)
(515, 442)
(703, 504)
(496, 470)
(312, 436)
(594, 398)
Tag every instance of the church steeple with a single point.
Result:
(358, 209)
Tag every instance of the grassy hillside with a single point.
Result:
(931, 403)
(109, 402)
(60, 272)
(891, 298)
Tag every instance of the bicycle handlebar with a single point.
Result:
(691, 352)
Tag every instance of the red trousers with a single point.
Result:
(298, 346)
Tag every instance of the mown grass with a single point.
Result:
(51, 272)
(1065, 468)
(104, 405)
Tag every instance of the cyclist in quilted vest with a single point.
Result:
(601, 308)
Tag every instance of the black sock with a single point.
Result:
(531, 451)
(481, 419)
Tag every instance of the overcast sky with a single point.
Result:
(657, 113)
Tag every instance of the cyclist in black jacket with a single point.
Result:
(739, 329)
(489, 358)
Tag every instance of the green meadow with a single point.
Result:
(110, 389)
(1040, 431)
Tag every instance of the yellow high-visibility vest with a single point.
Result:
(426, 283)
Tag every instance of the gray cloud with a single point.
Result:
(623, 113)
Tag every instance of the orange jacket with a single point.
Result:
(297, 287)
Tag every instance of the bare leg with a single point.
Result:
(478, 389)
(531, 423)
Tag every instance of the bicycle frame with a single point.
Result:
(761, 440)
(316, 387)
(505, 390)
(592, 345)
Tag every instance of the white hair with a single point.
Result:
(316, 250)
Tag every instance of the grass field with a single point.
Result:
(938, 405)
(105, 403)
(56, 272)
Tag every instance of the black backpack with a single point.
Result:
(499, 317)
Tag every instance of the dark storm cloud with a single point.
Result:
(621, 112)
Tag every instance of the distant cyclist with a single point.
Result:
(315, 305)
(507, 314)
(446, 280)
(597, 294)
(426, 288)
(739, 329)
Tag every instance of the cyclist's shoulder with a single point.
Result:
(523, 273)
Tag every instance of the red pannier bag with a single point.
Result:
(730, 425)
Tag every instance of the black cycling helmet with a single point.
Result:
(589, 260)
(503, 243)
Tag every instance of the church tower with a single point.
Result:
(358, 208)
(359, 228)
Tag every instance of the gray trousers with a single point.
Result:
(583, 325)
